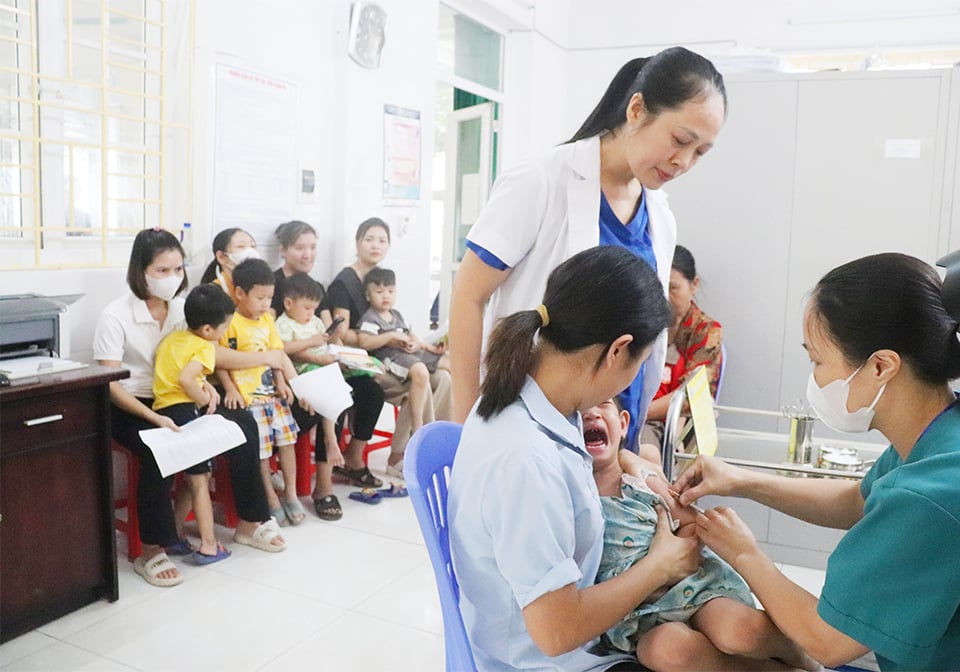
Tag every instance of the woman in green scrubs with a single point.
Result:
(884, 348)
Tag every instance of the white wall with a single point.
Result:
(339, 134)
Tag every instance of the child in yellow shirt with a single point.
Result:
(181, 392)
(261, 390)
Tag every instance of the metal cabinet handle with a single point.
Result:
(44, 420)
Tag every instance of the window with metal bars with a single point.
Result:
(91, 98)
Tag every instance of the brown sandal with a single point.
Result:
(328, 508)
(359, 477)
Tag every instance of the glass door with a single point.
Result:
(469, 168)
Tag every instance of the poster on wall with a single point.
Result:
(401, 155)
(255, 156)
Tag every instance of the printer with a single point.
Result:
(30, 324)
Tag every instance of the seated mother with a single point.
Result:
(884, 348)
(127, 335)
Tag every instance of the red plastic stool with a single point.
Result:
(222, 490)
(130, 526)
(386, 438)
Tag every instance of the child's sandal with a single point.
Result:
(294, 511)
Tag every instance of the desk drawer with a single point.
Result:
(35, 422)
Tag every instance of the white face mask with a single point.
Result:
(164, 288)
(830, 404)
(247, 253)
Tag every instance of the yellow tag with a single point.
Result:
(701, 412)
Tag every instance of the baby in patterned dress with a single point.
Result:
(708, 620)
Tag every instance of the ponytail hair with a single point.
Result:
(220, 244)
(893, 302)
(666, 81)
(594, 297)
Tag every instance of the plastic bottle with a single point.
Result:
(186, 240)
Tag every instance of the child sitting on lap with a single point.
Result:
(261, 390)
(386, 335)
(707, 621)
(181, 392)
(305, 341)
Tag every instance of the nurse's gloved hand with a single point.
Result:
(727, 535)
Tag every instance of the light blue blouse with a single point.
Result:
(525, 520)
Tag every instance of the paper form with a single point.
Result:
(199, 440)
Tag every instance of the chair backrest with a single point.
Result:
(426, 468)
(723, 370)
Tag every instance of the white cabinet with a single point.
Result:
(804, 177)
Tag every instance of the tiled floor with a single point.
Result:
(357, 594)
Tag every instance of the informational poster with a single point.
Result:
(256, 176)
(401, 155)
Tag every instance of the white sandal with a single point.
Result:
(262, 537)
(152, 568)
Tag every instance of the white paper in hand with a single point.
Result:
(325, 390)
(199, 440)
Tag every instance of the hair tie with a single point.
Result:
(544, 315)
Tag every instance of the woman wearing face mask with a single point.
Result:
(658, 116)
(230, 247)
(127, 334)
(884, 348)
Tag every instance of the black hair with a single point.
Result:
(666, 81)
(889, 301)
(594, 297)
(383, 277)
(683, 263)
(371, 223)
(302, 286)
(146, 246)
(207, 304)
(221, 242)
(252, 272)
(288, 232)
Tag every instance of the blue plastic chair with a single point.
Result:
(426, 468)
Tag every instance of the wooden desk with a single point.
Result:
(57, 545)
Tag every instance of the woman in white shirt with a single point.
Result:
(658, 116)
(127, 334)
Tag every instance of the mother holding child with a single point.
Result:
(127, 335)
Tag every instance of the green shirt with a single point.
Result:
(893, 582)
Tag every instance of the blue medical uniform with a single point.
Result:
(525, 520)
(633, 236)
(892, 583)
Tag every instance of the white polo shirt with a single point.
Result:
(126, 332)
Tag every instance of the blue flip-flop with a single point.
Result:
(367, 496)
(204, 559)
(395, 490)
(182, 547)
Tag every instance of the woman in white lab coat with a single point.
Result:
(657, 117)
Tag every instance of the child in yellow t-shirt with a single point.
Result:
(181, 392)
(261, 390)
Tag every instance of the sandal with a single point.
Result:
(182, 547)
(367, 496)
(328, 508)
(150, 570)
(395, 490)
(294, 511)
(204, 559)
(279, 514)
(360, 477)
(262, 537)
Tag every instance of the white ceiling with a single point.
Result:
(785, 27)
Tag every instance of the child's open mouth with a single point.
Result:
(595, 438)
